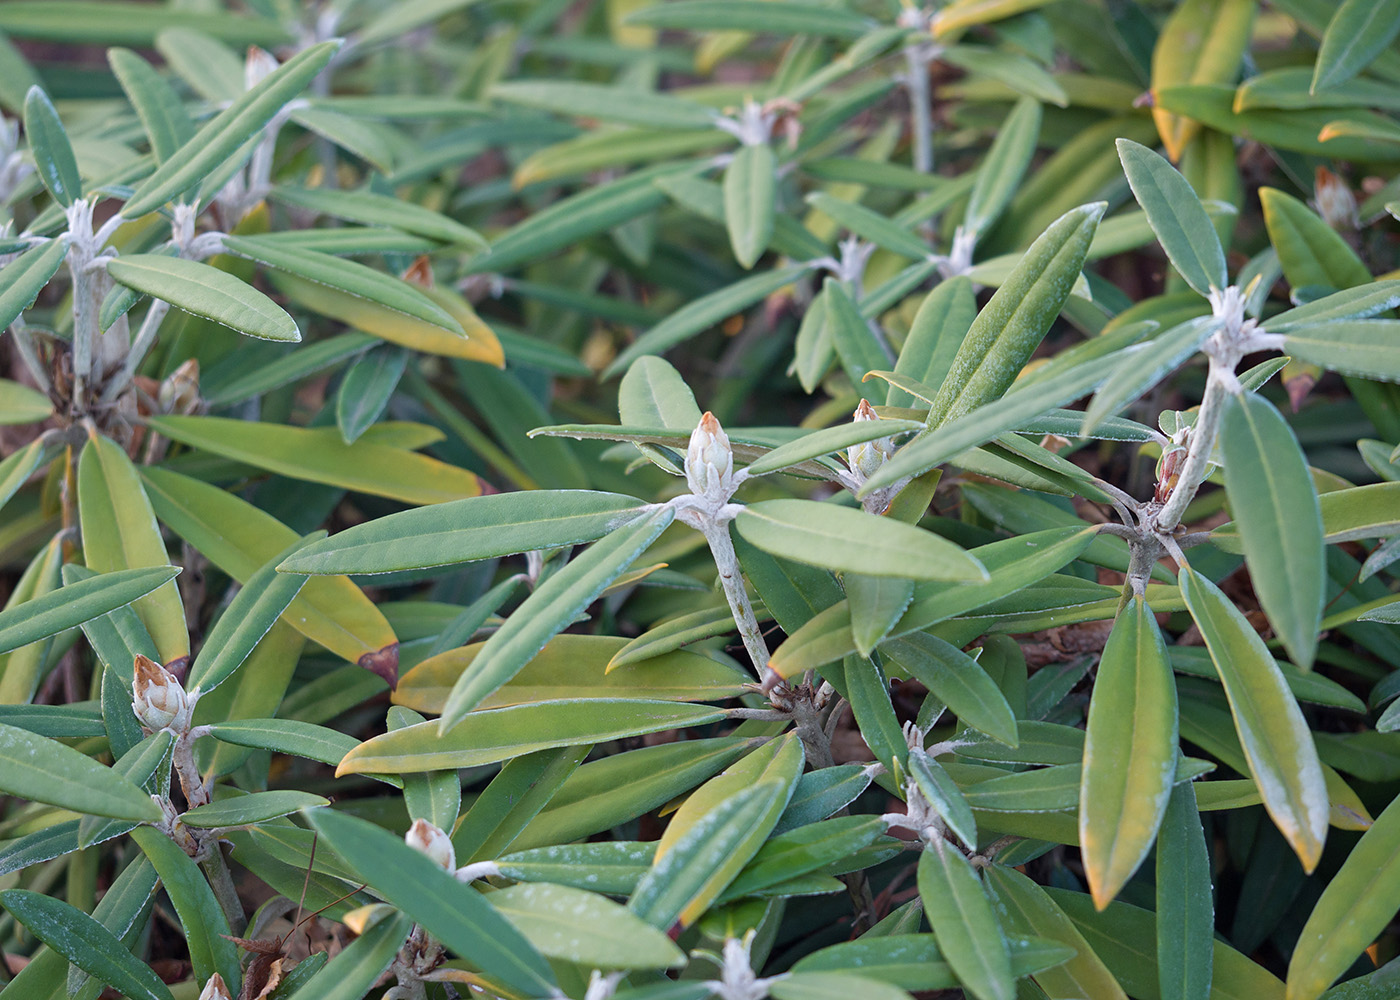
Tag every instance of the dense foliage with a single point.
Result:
(607, 498)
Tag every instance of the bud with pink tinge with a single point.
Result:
(257, 66)
(865, 459)
(709, 461)
(215, 989)
(433, 842)
(158, 699)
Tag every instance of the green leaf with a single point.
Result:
(869, 225)
(47, 771)
(625, 105)
(1129, 752)
(1276, 740)
(1364, 347)
(491, 735)
(944, 795)
(213, 144)
(166, 123)
(468, 530)
(1143, 365)
(832, 986)
(549, 610)
(249, 616)
(935, 335)
(319, 455)
(1350, 914)
(1185, 905)
(346, 276)
(456, 914)
(289, 736)
(367, 388)
(205, 926)
(246, 810)
(578, 926)
(1005, 164)
(750, 187)
(840, 538)
(84, 942)
(354, 971)
(1012, 324)
(957, 680)
(781, 17)
(206, 291)
(69, 607)
(968, 932)
(851, 336)
(53, 154)
(1177, 217)
(703, 313)
(1276, 510)
(24, 278)
(1358, 32)
(877, 602)
(20, 404)
(379, 210)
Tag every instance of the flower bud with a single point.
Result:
(215, 989)
(158, 699)
(257, 66)
(1335, 202)
(865, 459)
(433, 842)
(709, 461)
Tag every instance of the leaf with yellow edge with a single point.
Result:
(120, 532)
(1202, 42)
(320, 455)
(1273, 733)
(1129, 752)
(477, 343)
(239, 538)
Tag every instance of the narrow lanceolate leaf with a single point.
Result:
(1176, 216)
(780, 17)
(877, 602)
(167, 125)
(454, 913)
(1359, 31)
(245, 810)
(1016, 319)
(1273, 733)
(43, 770)
(467, 530)
(488, 736)
(1001, 172)
(366, 389)
(120, 532)
(320, 455)
(750, 188)
(354, 971)
(1129, 752)
(206, 291)
(827, 442)
(53, 155)
(230, 130)
(944, 795)
(1201, 42)
(248, 618)
(1280, 522)
(1353, 911)
(968, 932)
(548, 611)
(73, 605)
(841, 538)
(1185, 905)
(1364, 347)
(379, 210)
(84, 942)
(22, 279)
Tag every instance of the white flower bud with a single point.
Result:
(215, 989)
(258, 65)
(433, 842)
(709, 461)
(158, 699)
(865, 459)
(1335, 202)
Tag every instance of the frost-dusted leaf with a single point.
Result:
(206, 291)
(841, 538)
(1129, 752)
(213, 144)
(1177, 217)
(750, 187)
(84, 942)
(320, 455)
(1280, 523)
(22, 279)
(456, 914)
(966, 928)
(1276, 740)
(549, 610)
